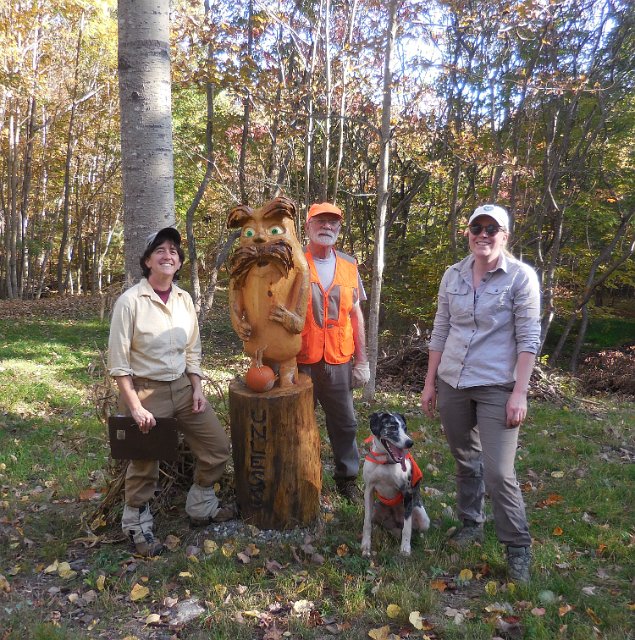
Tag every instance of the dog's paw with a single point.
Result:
(366, 549)
(405, 551)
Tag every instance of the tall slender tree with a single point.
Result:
(146, 124)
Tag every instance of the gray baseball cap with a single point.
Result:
(167, 233)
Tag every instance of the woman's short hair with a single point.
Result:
(157, 238)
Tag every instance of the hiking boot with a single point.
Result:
(470, 533)
(518, 563)
(138, 524)
(222, 515)
(348, 489)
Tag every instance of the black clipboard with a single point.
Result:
(127, 442)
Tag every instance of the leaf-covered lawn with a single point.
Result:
(60, 579)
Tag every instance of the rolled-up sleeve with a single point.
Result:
(120, 339)
(527, 312)
(441, 327)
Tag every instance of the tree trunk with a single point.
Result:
(382, 203)
(146, 124)
(242, 177)
(70, 145)
(324, 195)
(345, 71)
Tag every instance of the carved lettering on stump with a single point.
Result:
(276, 450)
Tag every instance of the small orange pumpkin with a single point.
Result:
(260, 379)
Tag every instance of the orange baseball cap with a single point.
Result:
(323, 207)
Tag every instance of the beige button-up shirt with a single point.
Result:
(480, 333)
(151, 339)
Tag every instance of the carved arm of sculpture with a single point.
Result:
(292, 313)
(237, 314)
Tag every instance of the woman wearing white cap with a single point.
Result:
(482, 350)
(154, 354)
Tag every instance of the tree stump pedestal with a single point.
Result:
(276, 451)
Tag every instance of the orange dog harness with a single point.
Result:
(383, 458)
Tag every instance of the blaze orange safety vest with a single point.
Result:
(328, 331)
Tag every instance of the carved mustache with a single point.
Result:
(244, 258)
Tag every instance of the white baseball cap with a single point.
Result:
(493, 211)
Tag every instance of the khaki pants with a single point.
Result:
(202, 431)
(484, 450)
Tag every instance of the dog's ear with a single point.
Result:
(405, 424)
(374, 422)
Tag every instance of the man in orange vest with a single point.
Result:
(333, 335)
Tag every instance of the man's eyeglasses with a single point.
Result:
(490, 229)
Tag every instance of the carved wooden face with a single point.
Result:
(274, 222)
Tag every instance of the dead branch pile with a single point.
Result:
(610, 371)
(404, 368)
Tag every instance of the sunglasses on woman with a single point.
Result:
(490, 229)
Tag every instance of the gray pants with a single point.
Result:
(332, 389)
(484, 449)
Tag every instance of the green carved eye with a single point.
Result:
(249, 232)
(276, 230)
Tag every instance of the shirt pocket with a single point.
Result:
(460, 299)
(497, 300)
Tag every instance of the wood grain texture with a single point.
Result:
(276, 450)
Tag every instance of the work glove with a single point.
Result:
(361, 374)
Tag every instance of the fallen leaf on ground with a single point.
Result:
(209, 546)
(381, 633)
(64, 571)
(100, 583)
(593, 616)
(172, 542)
(557, 531)
(303, 606)
(52, 568)
(393, 610)
(138, 592)
(4, 584)
(491, 588)
(439, 585)
(342, 550)
(153, 618)
(538, 611)
(564, 609)
(466, 575)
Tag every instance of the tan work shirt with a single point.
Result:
(151, 339)
(480, 333)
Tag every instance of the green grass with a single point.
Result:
(575, 467)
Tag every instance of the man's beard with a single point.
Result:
(251, 255)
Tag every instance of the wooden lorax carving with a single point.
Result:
(269, 286)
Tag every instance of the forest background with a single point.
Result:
(529, 104)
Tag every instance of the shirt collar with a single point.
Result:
(465, 266)
(145, 288)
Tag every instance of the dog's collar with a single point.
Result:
(379, 457)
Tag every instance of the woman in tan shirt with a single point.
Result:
(154, 354)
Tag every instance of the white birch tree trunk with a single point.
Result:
(146, 124)
(382, 204)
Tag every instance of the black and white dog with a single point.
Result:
(393, 477)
